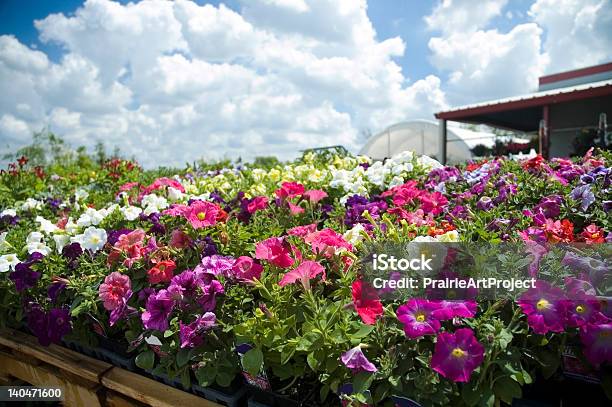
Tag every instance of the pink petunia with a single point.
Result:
(456, 355)
(276, 251)
(289, 190)
(315, 195)
(302, 231)
(115, 290)
(202, 214)
(303, 273)
(180, 239)
(257, 203)
(295, 209)
(327, 242)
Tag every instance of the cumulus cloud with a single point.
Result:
(170, 82)
(482, 63)
(578, 32)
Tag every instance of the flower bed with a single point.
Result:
(217, 274)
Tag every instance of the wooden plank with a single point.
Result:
(65, 359)
(50, 376)
(149, 391)
(117, 400)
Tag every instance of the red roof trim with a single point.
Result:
(576, 73)
(526, 103)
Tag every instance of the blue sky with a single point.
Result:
(173, 81)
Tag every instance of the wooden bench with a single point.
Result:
(84, 381)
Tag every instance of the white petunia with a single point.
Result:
(4, 245)
(91, 217)
(91, 239)
(31, 204)
(39, 247)
(46, 225)
(153, 203)
(174, 194)
(8, 212)
(131, 212)
(81, 194)
(354, 235)
(34, 237)
(60, 241)
(71, 228)
(8, 262)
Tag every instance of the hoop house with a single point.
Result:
(421, 136)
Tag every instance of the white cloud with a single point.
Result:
(484, 63)
(489, 64)
(170, 82)
(578, 32)
(463, 15)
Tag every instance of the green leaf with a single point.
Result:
(224, 379)
(145, 360)
(363, 331)
(182, 357)
(507, 389)
(323, 392)
(362, 381)
(487, 398)
(312, 360)
(206, 375)
(252, 361)
(470, 395)
(186, 378)
(168, 333)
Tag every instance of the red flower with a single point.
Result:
(23, 160)
(593, 234)
(534, 163)
(162, 272)
(366, 302)
(559, 231)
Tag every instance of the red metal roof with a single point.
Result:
(576, 73)
(578, 92)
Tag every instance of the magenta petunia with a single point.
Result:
(355, 360)
(597, 341)
(545, 306)
(327, 242)
(115, 290)
(246, 269)
(276, 251)
(417, 317)
(302, 231)
(583, 309)
(303, 273)
(456, 355)
(455, 309)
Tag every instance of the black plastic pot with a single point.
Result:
(115, 355)
(230, 397)
(261, 398)
(164, 378)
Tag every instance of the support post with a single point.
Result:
(546, 135)
(442, 141)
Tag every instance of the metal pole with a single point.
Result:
(442, 141)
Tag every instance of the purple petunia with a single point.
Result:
(456, 355)
(417, 317)
(23, 276)
(159, 307)
(355, 360)
(583, 195)
(192, 334)
(49, 327)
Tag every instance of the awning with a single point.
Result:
(524, 112)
